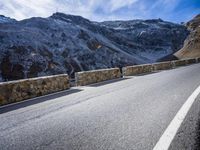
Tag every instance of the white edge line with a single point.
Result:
(169, 134)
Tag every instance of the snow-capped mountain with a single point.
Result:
(66, 44)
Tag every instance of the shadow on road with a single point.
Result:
(149, 73)
(37, 100)
(107, 82)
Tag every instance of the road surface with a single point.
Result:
(129, 114)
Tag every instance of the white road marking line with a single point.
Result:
(169, 134)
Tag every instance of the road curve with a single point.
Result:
(126, 114)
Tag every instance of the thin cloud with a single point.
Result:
(100, 10)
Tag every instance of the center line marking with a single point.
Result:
(169, 134)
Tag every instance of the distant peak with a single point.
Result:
(67, 17)
(1, 16)
(154, 20)
(4, 19)
(197, 16)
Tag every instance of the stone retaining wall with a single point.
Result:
(95, 76)
(15, 91)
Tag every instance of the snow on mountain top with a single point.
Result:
(67, 17)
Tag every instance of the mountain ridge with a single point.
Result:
(66, 44)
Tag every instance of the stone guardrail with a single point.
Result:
(148, 68)
(15, 91)
(95, 76)
(185, 62)
(162, 66)
(191, 61)
(178, 63)
(138, 69)
(198, 60)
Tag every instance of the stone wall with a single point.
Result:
(162, 65)
(198, 60)
(148, 68)
(191, 61)
(95, 76)
(138, 69)
(177, 63)
(15, 91)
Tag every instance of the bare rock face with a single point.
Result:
(194, 23)
(67, 44)
(191, 48)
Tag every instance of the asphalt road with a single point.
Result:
(188, 135)
(129, 114)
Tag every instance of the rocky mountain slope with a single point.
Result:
(66, 44)
(191, 48)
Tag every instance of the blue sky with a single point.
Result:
(100, 10)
